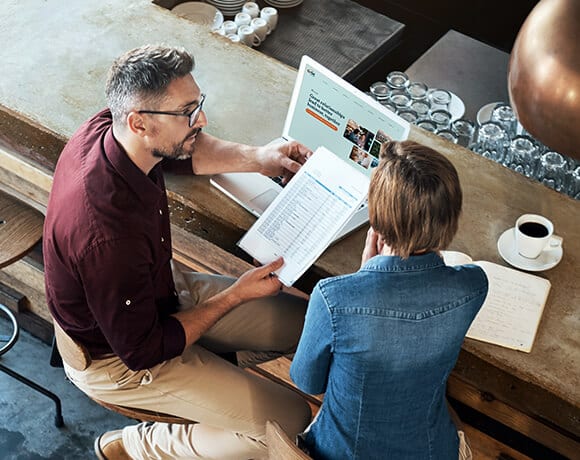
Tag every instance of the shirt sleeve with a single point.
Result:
(120, 292)
(311, 363)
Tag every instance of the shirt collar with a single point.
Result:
(149, 188)
(396, 263)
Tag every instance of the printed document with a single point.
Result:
(304, 218)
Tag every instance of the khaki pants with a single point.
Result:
(464, 449)
(230, 405)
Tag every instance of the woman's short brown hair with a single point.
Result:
(414, 198)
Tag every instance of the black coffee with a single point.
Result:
(533, 229)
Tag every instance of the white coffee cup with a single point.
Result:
(234, 38)
(270, 14)
(533, 234)
(261, 27)
(248, 36)
(242, 19)
(251, 8)
(230, 27)
(220, 31)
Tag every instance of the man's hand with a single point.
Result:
(255, 283)
(258, 282)
(282, 159)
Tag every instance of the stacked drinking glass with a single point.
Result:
(416, 103)
(501, 138)
(525, 154)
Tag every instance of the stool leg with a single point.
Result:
(58, 420)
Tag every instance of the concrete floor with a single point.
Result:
(27, 430)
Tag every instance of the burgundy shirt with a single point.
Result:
(107, 251)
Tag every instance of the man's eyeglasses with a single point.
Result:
(193, 115)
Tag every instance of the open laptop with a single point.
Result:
(324, 110)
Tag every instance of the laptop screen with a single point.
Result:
(326, 110)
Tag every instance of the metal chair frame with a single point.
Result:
(10, 341)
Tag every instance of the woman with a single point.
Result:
(381, 342)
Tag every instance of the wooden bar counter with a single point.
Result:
(55, 56)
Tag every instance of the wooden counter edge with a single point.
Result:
(38, 178)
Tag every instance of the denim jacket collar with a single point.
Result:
(395, 263)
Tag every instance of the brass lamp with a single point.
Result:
(544, 75)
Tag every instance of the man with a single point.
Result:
(109, 282)
(381, 342)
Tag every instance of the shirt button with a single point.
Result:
(160, 212)
(127, 302)
(162, 239)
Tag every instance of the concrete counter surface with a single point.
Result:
(494, 197)
(55, 56)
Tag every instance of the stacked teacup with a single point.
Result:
(251, 26)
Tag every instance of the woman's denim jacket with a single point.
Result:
(380, 343)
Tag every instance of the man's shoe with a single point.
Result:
(109, 446)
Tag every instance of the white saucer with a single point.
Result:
(484, 114)
(452, 258)
(284, 3)
(549, 258)
(200, 13)
(456, 107)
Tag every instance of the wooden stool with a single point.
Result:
(78, 357)
(20, 230)
(280, 446)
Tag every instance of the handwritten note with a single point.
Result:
(512, 310)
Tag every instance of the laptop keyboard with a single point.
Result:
(278, 180)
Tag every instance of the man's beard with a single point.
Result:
(179, 151)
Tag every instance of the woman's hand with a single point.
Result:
(373, 246)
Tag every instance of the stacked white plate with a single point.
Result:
(228, 7)
(201, 13)
(284, 3)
